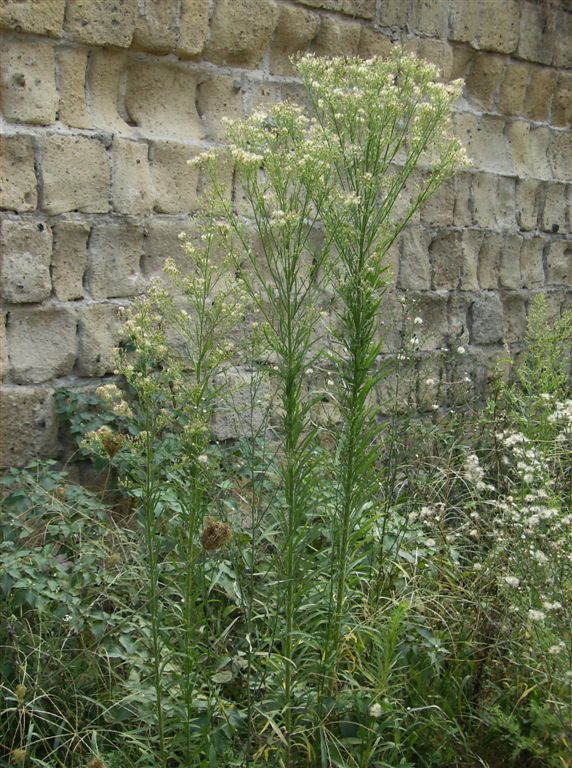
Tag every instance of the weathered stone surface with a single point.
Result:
(394, 13)
(531, 262)
(72, 110)
(42, 344)
(437, 52)
(75, 174)
(132, 187)
(510, 276)
(26, 249)
(527, 203)
(430, 17)
(539, 93)
(69, 259)
(454, 260)
(432, 308)
(499, 26)
(513, 88)
(562, 101)
(28, 93)
(161, 100)
(105, 75)
(554, 210)
(295, 30)
(193, 27)
(559, 154)
(161, 241)
(337, 37)
(156, 28)
(537, 22)
(563, 42)
(494, 201)
(364, 9)
(439, 210)
(484, 141)
(217, 98)
(240, 31)
(490, 256)
(115, 253)
(528, 146)
(464, 20)
(514, 306)
(487, 319)
(38, 17)
(17, 177)
(559, 263)
(374, 43)
(29, 425)
(99, 334)
(483, 80)
(98, 22)
(175, 182)
(414, 266)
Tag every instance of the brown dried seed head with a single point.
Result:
(112, 442)
(215, 534)
(19, 756)
(97, 762)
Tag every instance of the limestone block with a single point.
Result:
(115, 253)
(161, 241)
(454, 260)
(414, 266)
(161, 99)
(531, 262)
(537, 32)
(373, 43)
(509, 273)
(430, 17)
(29, 426)
(296, 29)
(490, 256)
(528, 146)
(26, 249)
(3, 347)
(156, 26)
(483, 80)
(72, 110)
(99, 22)
(219, 97)
(17, 177)
(463, 213)
(38, 17)
(28, 92)
(464, 20)
(175, 181)
(487, 319)
(514, 310)
(261, 96)
(75, 174)
(527, 203)
(432, 308)
(364, 9)
(562, 100)
(193, 27)
(484, 141)
(559, 155)
(439, 52)
(458, 306)
(69, 259)
(554, 211)
(106, 72)
(559, 263)
(42, 344)
(494, 201)
(337, 37)
(394, 13)
(240, 31)
(513, 88)
(132, 186)
(499, 26)
(563, 42)
(99, 334)
(439, 210)
(539, 93)
(463, 56)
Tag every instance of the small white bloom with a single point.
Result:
(461, 350)
(418, 321)
(203, 459)
(512, 581)
(375, 710)
(534, 615)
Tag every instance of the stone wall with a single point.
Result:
(103, 101)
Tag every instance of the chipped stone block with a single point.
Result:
(559, 154)
(69, 259)
(514, 306)
(537, 32)
(487, 319)
(295, 30)
(29, 426)
(114, 258)
(217, 98)
(193, 27)
(439, 210)
(513, 88)
(484, 141)
(494, 201)
(528, 146)
(490, 256)
(527, 203)
(75, 174)
(161, 100)
(539, 93)
(28, 93)
(509, 272)
(99, 334)
(454, 260)
(562, 101)
(531, 262)
(553, 217)
(42, 344)
(414, 266)
(240, 31)
(17, 177)
(156, 26)
(105, 75)
(337, 37)
(26, 249)
(37, 17)
(175, 182)
(499, 26)
(98, 22)
(72, 110)
(559, 263)
(132, 186)
(483, 80)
